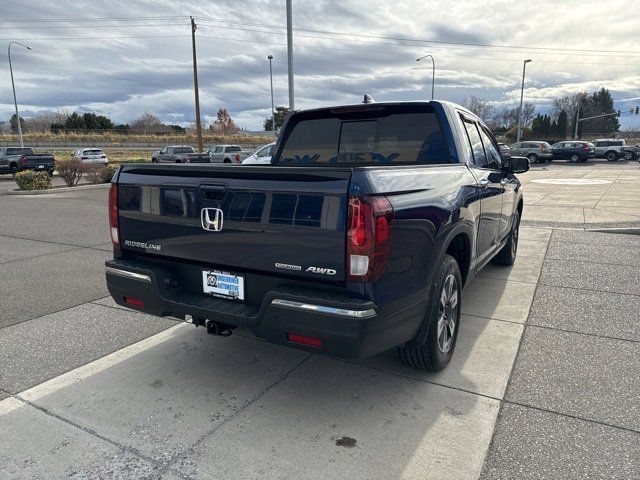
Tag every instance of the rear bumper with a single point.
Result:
(346, 327)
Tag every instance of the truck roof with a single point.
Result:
(443, 103)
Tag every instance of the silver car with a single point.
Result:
(261, 155)
(536, 151)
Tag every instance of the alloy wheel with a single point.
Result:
(448, 313)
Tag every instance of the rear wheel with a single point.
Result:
(533, 158)
(628, 156)
(226, 160)
(611, 156)
(14, 170)
(443, 320)
(574, 158)
(507, 256)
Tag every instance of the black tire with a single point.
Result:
(533, 158)
(628, 156)
(436, 351)
(507, 255)
(574, 158)
(153, 160)
(226, 160)
(611, 156)
(50, 173)
(14, 170)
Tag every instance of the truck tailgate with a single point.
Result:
(262, 219)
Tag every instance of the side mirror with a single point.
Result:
(518, 165)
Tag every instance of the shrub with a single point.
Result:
(70, 170)
(29, 180)
(106, 173)
(94, 173)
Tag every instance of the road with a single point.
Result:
(543, 383)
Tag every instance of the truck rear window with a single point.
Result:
(19, 151)
(405, 134)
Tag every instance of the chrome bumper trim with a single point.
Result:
(341, 312)
(128, 274)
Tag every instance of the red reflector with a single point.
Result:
(301, 339)
(134, 301)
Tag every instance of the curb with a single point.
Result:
(59, 189)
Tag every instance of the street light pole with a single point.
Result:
(290, 54)
(524, 67)
(273, 118)
(433, 72)
(13, 86)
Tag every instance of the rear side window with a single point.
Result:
(183, 150)
(479, 157)
(234, 148)
(491, 150)
(370, 136)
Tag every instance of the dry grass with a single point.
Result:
(117, 139)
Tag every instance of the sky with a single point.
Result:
(124, 58)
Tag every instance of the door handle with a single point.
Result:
(484, 182)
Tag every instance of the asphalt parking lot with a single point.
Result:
(543, 384)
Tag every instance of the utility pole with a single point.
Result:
(575, 133)
(195, 84)
(290, 53)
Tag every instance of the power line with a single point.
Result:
(350, 35)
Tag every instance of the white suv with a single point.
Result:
(609, 148)
(90, 156)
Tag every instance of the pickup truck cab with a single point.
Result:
(17, 159)
(227, 154)
(359, 237)
(179, 154)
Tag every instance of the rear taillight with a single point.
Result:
(368, 237)
(237, 157)
(543, 148)
(23, 159)
(586, 147)
(113, 216)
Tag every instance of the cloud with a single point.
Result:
(370, 52)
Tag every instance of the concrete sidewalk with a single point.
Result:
(590, 195)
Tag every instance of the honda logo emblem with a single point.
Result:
(211, 219)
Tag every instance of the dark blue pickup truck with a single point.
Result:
(358, 238)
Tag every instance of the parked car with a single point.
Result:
(574, 151)
(227, 154)
(90, 156)
(358, 239)
(610, 148)
(179, 154)
(535, 150)
(631, 152)
(261, 156)
(17, 159)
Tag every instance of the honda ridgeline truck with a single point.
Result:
(358, 238)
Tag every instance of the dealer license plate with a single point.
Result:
(223, 284)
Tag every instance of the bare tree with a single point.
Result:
(528, 112)
(480, 106)
(146, 123)
(224, 124)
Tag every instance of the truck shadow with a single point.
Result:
(240, 407)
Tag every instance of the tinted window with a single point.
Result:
(617, 143)
(93, 152)
(383, 135)
(491, 149)
(244, 207)
(19, 151)
(218, 149)
(183, 150)
(479, 157)
(233, 148)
